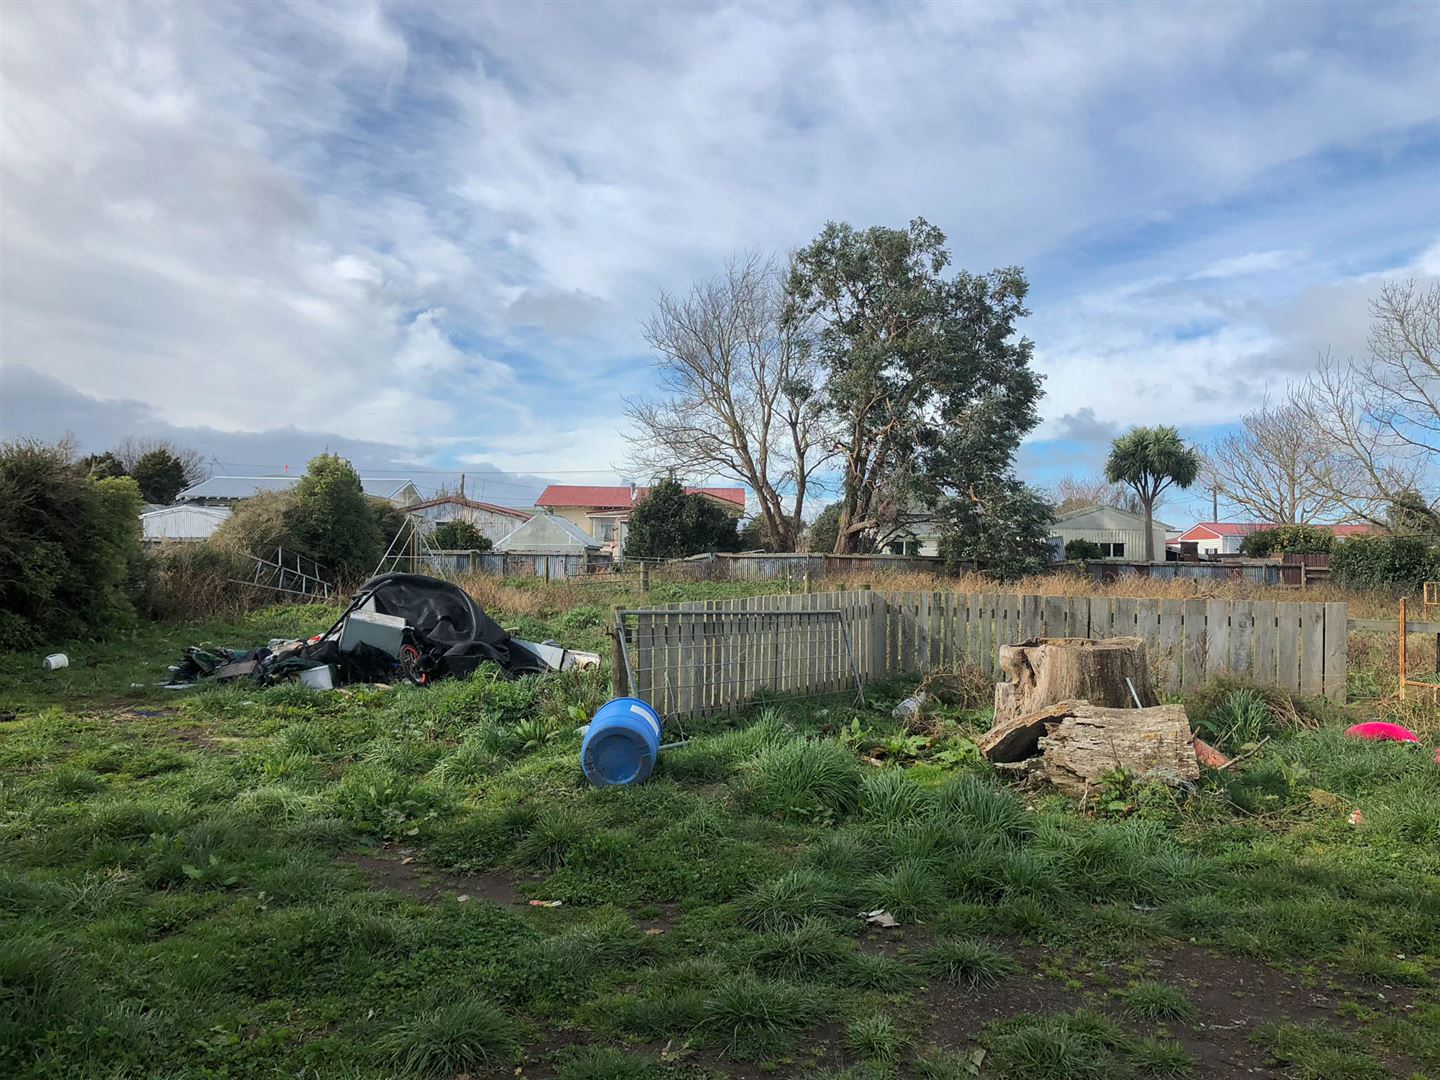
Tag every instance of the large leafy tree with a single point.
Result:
(1004, 528)
(925, 380)
(161, 476)
(1150, 461)
(669, 524)
(332, 521)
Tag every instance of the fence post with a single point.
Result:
(644, 577)
(618, 680)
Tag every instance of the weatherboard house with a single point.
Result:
(604, 512)
(229, 490)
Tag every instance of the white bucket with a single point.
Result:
(55, 661)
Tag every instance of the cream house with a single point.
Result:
(603, 512)
(1119, 533)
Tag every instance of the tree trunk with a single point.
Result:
(1154, 743)
(1046, 671)
(1150, 530)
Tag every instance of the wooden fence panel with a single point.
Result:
(700, 656)
(1312, 648)
(1337, 649)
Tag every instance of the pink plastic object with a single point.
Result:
(1379, 731)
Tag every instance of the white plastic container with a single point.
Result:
(384, 632)
(55, 661)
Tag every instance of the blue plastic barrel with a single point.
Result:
(622, 743)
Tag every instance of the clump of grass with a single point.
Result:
(1030, 1047)
(980, 805)
(891, 796)
(607, 1063)
(806, 780)
(1318, 1051)
(808, 951)
(968, 963)
(752, 1017)
(1156, 1057)
(842, 854)
(787, 901)
(548, 844)
(911, 891)
(875, 1038)
(1157, 1001)
(875, 971)
(460, 1036)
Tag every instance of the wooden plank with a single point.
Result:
(1102, 617)
(1337, 650)
(1242, 638)
(985, 655)
(1077, 616)
(685, 654)
(1287, 646)
(1263, 612)
(1052, 616)
(1217, 636)
(1392, 626)
(1167, 662)
(1312, 649)
(1194, 645)
(922, 632)
(1125, 608)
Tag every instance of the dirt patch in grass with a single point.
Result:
(400, 870)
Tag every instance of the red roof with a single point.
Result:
(1245, 528)
(618, 498)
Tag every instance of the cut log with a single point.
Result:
(1153, 743)
(1046, 671)
(1019, 736)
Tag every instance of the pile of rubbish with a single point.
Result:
(399, 627)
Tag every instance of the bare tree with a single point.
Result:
(1380, 415)
(1272, 467)
(740, 394)
(1081, 492)
(133, 447)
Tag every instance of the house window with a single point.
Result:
(603, 529)
(1112, 551)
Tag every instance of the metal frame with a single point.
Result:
(1405, 680)
(278, 576)
(623, 636)
(420, 555)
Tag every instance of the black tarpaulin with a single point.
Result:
(446, 619)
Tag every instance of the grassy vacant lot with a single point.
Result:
(236, 883)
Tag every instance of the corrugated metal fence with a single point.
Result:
(711, 655)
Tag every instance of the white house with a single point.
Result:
(495, 522)
(1119, 533)
(228, 490)
(177, 524)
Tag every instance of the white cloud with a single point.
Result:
(444, 223)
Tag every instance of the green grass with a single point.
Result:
(176, 895)
(1157, 1001)
(971, 964)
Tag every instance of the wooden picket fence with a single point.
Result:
(708, 656)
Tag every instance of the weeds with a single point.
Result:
(875, 1038)
(457, 1037)
(1157, 1001)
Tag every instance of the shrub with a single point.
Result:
(1396, 563)
(458, 535)
(1082, 549)
(69, 546)
(1291, 539)
(803, 779)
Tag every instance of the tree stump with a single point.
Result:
(1047, 671)
(1152, 743)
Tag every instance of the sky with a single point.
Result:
(426, 236)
